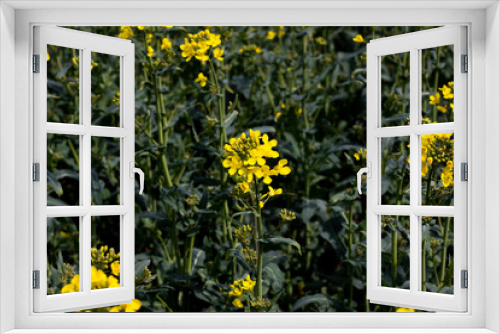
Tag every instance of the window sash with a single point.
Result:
(413, 43)
(86, 43)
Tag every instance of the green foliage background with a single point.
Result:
(307, 89)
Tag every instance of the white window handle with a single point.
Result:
(368, 171)
(139, 171)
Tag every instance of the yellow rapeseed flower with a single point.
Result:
(447, 92)
(358, 39)
(133, 306)
(151, 51)
(201, 79)
(435, 99)
(126, 32)
(272, 192)
(281, 32)
(74, 286)
(48, 56)
(360, 154)
(199, 46)
(166, 44)
(271, 34)
(281, 168)
(244, 186)
(247, 157)
(218, 53)
(442, 109)
(237, 302)
(115, 268)
(187, 50)
(402, 309)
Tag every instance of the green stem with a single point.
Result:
(445, 247)
(436, 82)
(394, 263)
(226, 227)
(73, 151)
(159, 121)
(259, 245)
(175, 238)
(428, 188)
(424, 275)
(189, 255)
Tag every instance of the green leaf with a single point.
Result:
(306, 300)
(281, 240)
(229, 119)
(236, 253)
(275, 276)
(51, 179)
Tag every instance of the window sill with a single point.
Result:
(251, 331)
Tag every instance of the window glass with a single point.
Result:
(63, 257)
(63, 85)
(437, 85)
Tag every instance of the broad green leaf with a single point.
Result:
(281, 240)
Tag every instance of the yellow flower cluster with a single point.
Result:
(447, 92)
(272, 34)
(126, 32)
(251, 48)
(438, 149)
(199, 46)
(361, 154)
(239, 288)
(202, 79)
(133, 306)
(99, 280)
(247, 157)
(287, 215)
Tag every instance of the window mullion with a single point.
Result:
(414, 168)
(85, 163)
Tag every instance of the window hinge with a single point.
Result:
(36, 63)
(465, 64)
(36, 279)
(36, 172)
(464, 171)
(464, 279)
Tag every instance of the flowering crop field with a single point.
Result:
(250, 139)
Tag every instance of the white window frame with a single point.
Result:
(86, 43)
(414, 43)
(483, 21)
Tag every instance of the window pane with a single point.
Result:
(63, 166)
(105, 252)
(437, 169)
(437, 85)
(63, 257)
(63, 88)
(105, 89)
(395, 245)
(437, 254)
(395, 88)
(395, 171)
(105, 171)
